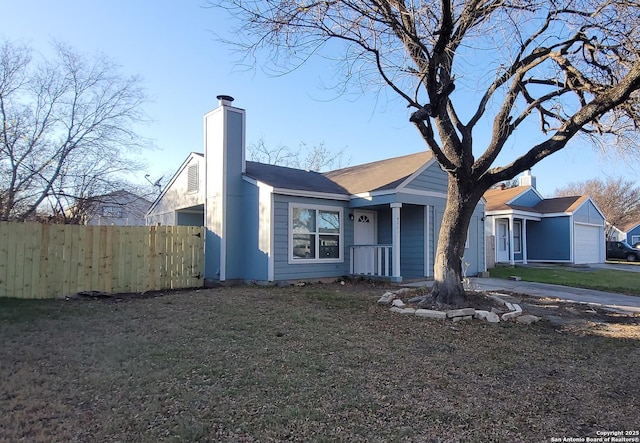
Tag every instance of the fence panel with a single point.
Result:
(46, 261)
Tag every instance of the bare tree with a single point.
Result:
(65, 127)
(318, 158)
(465, 67)
(618, 199)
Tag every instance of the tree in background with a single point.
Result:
(318, 158)
(466, 68)
(618, 199)
(65, 130)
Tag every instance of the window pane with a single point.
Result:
(304, 246)
(304, 220)
(329, 221)
(329, 246)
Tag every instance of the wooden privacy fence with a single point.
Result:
(46, 261)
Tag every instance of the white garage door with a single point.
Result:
(588, 242)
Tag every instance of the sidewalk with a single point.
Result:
(625, 303)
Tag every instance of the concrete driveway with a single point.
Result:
(624, 303)
(618, 266)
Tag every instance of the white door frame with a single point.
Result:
(364, 261)
(502, 241)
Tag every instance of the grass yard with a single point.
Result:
(316, 363)
(601, 279)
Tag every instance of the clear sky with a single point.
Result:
(171, 45)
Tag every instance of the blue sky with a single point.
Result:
(171, 45)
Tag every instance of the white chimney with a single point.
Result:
(526, 179)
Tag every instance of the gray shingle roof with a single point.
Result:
(369, 177)
(380, 175)
(295, 179)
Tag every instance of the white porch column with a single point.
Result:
(511, 258)
(523, 240)
(395, 242)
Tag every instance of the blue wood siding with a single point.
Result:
(587, 213)
(412, 241)
(411, 238)
(384, 226)
(528, 199)
(432, 179)
(633, 235)
(549, 239)
(283, 270)
(234, 215)
(255, 261)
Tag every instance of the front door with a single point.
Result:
(502, 241)
(364, 233)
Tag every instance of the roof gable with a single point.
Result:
(381, 175)
(170, 184)
(499, 199)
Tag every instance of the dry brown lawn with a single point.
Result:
(315, 363)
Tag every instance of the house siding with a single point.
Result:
(235, 218)
(528, 199)
(283, 270)
(432, 179)
(412, 234)
(255, 260)
(412, 242)
(177, 196)
(633, 235)
(549, 239)
(588, 213)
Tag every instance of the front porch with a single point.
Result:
(376, 251)
(511, 238)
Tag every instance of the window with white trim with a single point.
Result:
(315, 233)
(517, 236)
(634, 239)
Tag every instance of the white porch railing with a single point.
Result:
(372, 260)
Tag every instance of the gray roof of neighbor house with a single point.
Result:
(369, 177)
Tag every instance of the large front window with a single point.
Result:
(315, 233)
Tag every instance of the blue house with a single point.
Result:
(629, 233)
(271, 223)
(525, 227)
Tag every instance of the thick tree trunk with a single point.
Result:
(448, 274)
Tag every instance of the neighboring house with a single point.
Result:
(629, 233)
(614, 234)
(525, 227)
(119, 208)
(273, 223)
(181, 203)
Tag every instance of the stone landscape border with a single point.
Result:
(513, 310)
